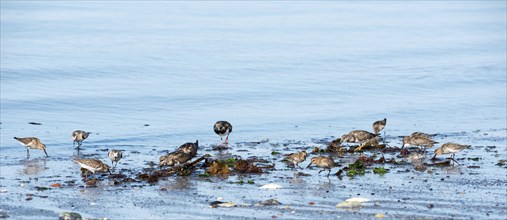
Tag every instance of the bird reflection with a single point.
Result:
(34, 167)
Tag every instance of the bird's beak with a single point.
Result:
(308, 165)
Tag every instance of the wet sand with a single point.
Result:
(476, 189)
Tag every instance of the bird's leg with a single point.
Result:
(454, 160)
(329, 172)
(320, 171)
(27, 153)
(227, 137)
(299, 166)
(46, 152)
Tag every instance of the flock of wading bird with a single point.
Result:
(187, 151)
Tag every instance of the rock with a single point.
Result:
(355, 202)
(268, 202)
(216, 204)
(271, 186)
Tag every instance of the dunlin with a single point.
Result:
(33, 143)
(79, 136)
(189, 148)
(174, 158)
(296, 158)
(379, 126)
(115, 156)
(450, 148)
(323, 162)
(417, 141)
(223, 128)
(357, 136)
(93, 165)
(421, 134)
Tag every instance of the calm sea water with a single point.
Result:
(283, 70)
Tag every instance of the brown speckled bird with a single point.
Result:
(31, 143)
(189, 148)
(79, 136)
(450, 148)
(421, 134)
(296, 158)
(93, 165)
(417, 141)
(357, 136)
(174, 158)
(323, 162)
(379, 126)
(115, 156)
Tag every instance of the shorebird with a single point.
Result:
(115, 156)
(189, 148)
(93, 166)
(421, 134)
(450, 148)
(417, 141)
(379, 126)
(79, 136)
(223, 128)
(323, 162)
(174, 158)
(296, 158)
(359, 136)
(33, 143)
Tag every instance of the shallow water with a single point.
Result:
(277, 71)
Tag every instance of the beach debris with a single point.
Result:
(3, 214)
(275, 153)
(379, 215)
(3, 190)
(501, 163)
(34, 123)
(41, 188)
(380, 170)
(91, 182)
(355, 202)
(245, 166)
(268, 202)
(218, 167)
(420, 167)
(217, 204)
(56, 185)
(356, 168)
(69, 216)
(271, 186)
(311, 203)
